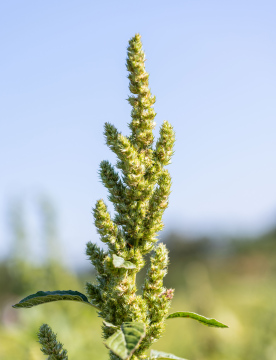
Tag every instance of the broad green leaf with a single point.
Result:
(154, 354)
(200, 318)
(119, 262)
(42, 297)
(125, 341)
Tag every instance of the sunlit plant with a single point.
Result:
(139, 191)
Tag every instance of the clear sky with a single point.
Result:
(212, 69)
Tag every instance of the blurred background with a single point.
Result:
(212, 69)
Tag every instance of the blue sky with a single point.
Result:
(212, 69)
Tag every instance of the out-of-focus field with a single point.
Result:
(233, 281)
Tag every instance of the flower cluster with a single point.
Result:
(50, 345)
(139, 190)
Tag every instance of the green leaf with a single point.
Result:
(42, 297)
(125, 341)
(200, 318)
(154, 354)
(119, 262)
(110, 325)
(117, 344)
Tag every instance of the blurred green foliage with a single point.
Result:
(230, 280)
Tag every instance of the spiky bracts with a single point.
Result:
(50, 345)
(139, 189)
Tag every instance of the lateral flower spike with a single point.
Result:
(106, 228)
(157, 297)
(164, 145)
(50, 345)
